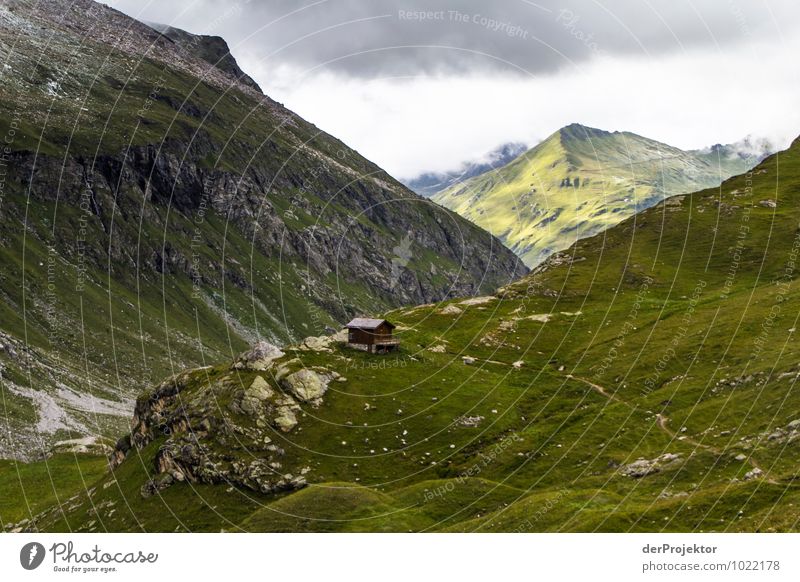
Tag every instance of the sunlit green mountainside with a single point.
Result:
(643, 380)
(580, 181)
(158, 211)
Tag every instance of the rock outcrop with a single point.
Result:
(190, 173)
(89, 445)
(322, 343)
(200, 440)
(644, 467)
(260, 357)
(307, 385)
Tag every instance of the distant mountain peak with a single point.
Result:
(750, 147)
(579, 131)
(582, 180)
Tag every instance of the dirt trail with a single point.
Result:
(601, 390)
(661, 422)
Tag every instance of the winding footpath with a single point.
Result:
(662, 423)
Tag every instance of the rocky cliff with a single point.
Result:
(158, 210)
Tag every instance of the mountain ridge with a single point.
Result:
(212, 49)
(537, 205)
(159, 210)
(623, 384)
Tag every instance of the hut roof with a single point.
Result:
(367, 323)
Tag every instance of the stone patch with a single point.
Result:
(260, 357)
(644, 467)
(307, 385)
(478, 300)
(450, 310)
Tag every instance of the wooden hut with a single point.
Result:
(374, 335)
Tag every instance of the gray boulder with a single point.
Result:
(307, 385)
(259, 390)
(252, 399)
(259, 357)
(286, 410)
(754, 474)
(644, 467)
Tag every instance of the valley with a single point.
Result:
(622, 386)
(596, 334)
(160, 212)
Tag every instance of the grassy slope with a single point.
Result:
(553, 442)
(546, 455)
(131, 324)
(29, 488)
(526, 204)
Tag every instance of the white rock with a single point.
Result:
(318, 344)
(754, 474)
(450, 310)
(306, 384)
(478, 300)
(540, 317)
(259, 357)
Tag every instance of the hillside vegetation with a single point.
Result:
(645, 380)
(157, 211)
(579, 182)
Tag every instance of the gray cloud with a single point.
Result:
(408, 37)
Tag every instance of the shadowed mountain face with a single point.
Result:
(582, 180)
(158, 210)
(644, 380)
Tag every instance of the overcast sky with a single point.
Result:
(424, 85)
